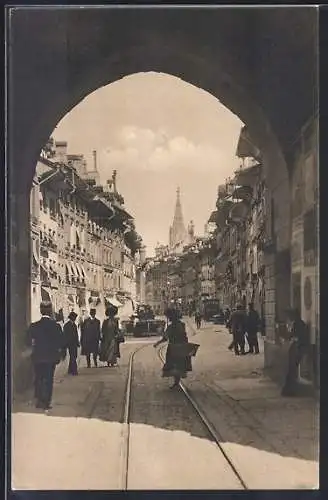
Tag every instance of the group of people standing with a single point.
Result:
(96, 340)
(243, 324)
(51, 340)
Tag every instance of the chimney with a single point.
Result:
(94, 153)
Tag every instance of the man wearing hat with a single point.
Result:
(46, 339)
(238, 328)
(90, 337)
(71, 342)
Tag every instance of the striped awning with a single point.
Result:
(75, 269)
(72, 269)
(69, 269)
(81, 270)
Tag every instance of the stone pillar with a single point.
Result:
(20, 289)
(277, 262)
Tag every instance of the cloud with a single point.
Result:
(154, 151)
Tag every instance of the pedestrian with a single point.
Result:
(198, 319)
(90, 338)
(228, 325)
(177, 364)
(71, 342)
(109, 334)
(252, 327)
(119, 339)
(46, 339)
(299, 337)
(61, 320)
(227, 316)
(238, 327)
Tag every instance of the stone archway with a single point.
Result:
(250, 59)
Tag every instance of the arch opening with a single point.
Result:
(225, 71)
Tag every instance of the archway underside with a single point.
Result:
(258, 62)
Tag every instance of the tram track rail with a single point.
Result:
(199, 412)
(125, 449)
(210, 429)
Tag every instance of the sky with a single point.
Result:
(159, 133)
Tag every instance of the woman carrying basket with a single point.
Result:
(179, 351)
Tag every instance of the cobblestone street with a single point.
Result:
(169, 446)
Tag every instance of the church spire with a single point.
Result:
(177, 230)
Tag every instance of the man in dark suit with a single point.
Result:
(72, 342)
(46, 339)
(238, 328)
(90, 337)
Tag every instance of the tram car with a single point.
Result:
(210, 309)
(149, 328)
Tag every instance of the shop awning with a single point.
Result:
(70, 299)
(81, 270)
(72, 271)
(114, 301)
(45, 294)
(35, 252)
(75, 270)
(68, 269)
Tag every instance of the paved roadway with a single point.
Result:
(272, 441)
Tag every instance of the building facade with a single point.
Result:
(84, 242)
(305, 242)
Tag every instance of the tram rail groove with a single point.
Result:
(126, 421)
(207, 424)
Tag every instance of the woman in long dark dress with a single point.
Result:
(177, 363)
(109, 333)
(72, 343)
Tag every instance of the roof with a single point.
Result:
(246, 147)
(213, 216)
(249, 175)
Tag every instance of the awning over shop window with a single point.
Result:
(81, 270)
(45, 294)
(69, 269)
(114, 301)
(35, 252)
(72, 270)
(75, 270)
(70, 299)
